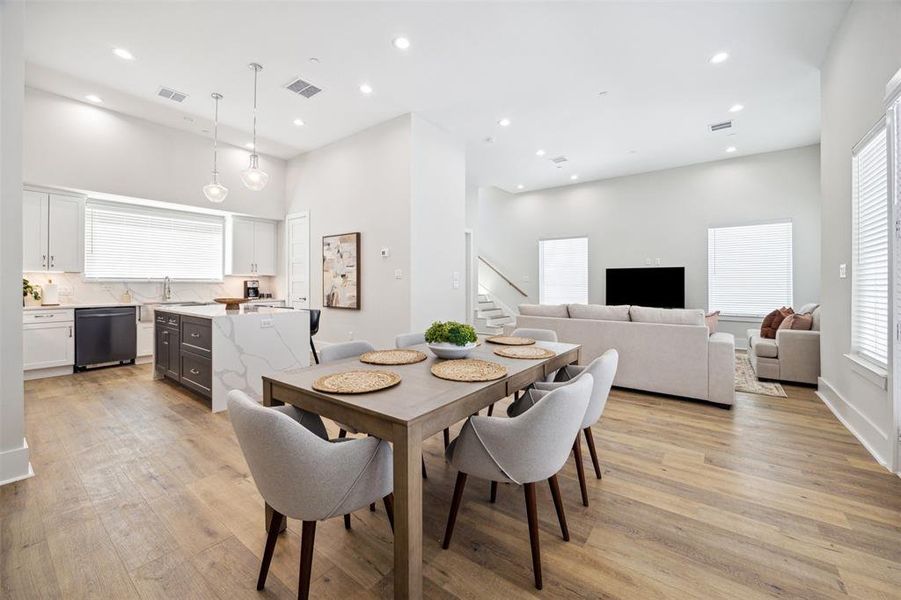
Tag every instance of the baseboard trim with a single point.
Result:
(830, 397)
(14, 464)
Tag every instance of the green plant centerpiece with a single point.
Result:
(30, 291)
(451, 339)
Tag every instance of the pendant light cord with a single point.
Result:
(216, 97)
(256, 71)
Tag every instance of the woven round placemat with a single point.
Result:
(393, 357)
(510, 340)
(356, 382)
(527, 352)
(468, 369)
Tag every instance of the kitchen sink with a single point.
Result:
(148, 307)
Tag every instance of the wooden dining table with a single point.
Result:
(419, 407)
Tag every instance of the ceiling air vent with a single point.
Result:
(302, 87)
(559, 160)
(170, 94)
(720, 126)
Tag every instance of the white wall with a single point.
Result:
(13, 447)
(75, 145)
(361, 183)
(865, 53)
(664, 214)
(437, 224)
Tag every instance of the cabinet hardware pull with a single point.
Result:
(70, 331)
(43, 260)
(195, 335)
(195, 372)
(44, 316)
(51, 261)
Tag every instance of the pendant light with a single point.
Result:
(215, 191)
(253, 177)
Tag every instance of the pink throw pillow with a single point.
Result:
(712, 320)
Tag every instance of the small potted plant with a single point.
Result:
(31, 294)
(451, 339)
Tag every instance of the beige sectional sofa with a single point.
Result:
(660, 350)
(793, 356)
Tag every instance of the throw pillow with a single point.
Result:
(772, 321)
(712, 321)
(795, 321)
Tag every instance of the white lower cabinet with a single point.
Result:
(48, 339)
(145, 339)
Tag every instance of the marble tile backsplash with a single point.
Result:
(74, 290)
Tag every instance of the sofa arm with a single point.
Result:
(799, 355)
(721, 368)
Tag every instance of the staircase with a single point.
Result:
(489, 317)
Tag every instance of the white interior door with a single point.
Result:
(34, 231)
(298, 251)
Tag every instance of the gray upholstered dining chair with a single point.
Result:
(539, 335)
(303, 476)
(603, 371)
(522, 450)
(340, 351)
(405, 340)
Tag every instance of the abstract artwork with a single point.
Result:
(341, 271)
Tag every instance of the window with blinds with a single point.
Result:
(749, 268)
(870, 247)
(563, 271)
(128, 242)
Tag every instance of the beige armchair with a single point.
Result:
(793, 356)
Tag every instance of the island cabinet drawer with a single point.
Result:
(196, 336)
(197, 373)
(166, 319)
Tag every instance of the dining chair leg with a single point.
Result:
(558, 506)
(307, 538)
(446, 438)
(274, 526)
(493, 492)
(593, 451)
(491, 409)
(580, 468)
(313, 348)
(455, 507)
(425, 474)
(342, 433)
(372, 507)
(389, 509)
(532, 512)
(346, 521)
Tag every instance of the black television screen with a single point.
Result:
(661, 287)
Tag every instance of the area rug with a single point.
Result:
(746, 380)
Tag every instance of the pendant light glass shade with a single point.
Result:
(214, 191)
(253, 177)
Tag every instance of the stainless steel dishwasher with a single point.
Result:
(105, 336)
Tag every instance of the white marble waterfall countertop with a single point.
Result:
(209, 311)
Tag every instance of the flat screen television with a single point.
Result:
(660, 287)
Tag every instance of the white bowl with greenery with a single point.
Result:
(451, 339)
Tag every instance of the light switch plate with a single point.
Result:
(398, 273)
(843, 271)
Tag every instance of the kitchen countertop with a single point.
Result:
(209, 311)
(62, 306)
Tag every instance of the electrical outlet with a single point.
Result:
(526, 278)
(350, 335)
(455, 280)
(265, 323)
(647, 261)
(843, 271)
(657, 262)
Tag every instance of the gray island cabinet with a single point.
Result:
(212, 351)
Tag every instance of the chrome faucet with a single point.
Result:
(167, 288)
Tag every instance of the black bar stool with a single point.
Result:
(314, 329)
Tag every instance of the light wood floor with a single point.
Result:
(141, 492)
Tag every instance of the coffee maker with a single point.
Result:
(252, 288)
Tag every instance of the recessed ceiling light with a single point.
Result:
(731, 149)
(574, 176)
(540, 153)
(520, 186)
(489, 139)
(365, 89)
(719, 57)
(602, 93)
(249, 145)
(123, 54)
(736, 107)
(93, 98)
(401, 43)
(505, 122)
(299, 122)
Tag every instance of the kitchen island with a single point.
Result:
(212, 351)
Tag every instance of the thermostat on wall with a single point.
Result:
(385, 252)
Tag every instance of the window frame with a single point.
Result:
(864, 359)
(587, 266)
(747, 316)
(163, 210)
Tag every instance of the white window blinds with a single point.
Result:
(125, 241)
(563, 271)
(749, 268)
(869, 275)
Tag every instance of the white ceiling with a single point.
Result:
(542, 65)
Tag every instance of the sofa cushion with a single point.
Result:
(796, 321)
(808, 308)
(764, 347)
(544, 310)
(599, 312)
(815, 326)
(669, 316)
(772, 321)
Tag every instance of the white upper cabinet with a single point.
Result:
(52, 232)
(253, 247)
